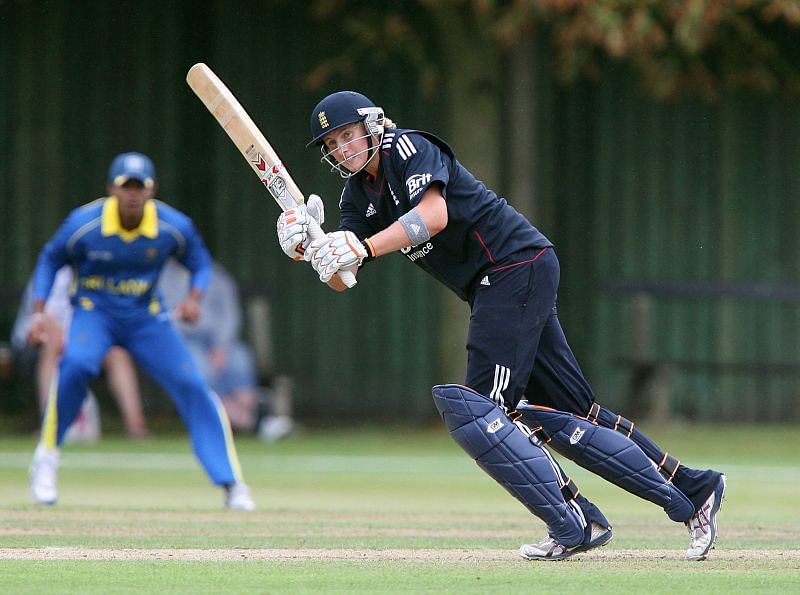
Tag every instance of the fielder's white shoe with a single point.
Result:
(550, 549)
(703, 524)
(237, 497)
(44, 475)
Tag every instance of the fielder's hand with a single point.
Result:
(45, 329)
(335, 251)
(188, 310)
(293, 226)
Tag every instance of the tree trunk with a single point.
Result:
(472, 86)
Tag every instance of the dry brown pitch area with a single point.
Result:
(445, 555)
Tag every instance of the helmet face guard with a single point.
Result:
(373, 126)
(340, 109)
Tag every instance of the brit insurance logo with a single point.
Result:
(416, 183)
(420, 252)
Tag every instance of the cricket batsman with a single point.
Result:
(405, 190)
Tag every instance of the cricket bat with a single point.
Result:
(252, 144)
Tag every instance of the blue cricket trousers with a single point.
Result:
(161, 353)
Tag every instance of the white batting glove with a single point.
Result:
(293, 226)
(335, 251)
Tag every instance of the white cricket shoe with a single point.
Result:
(547, 549)
(237, 497)
(44, 475)
(550, 549)
(703, 524)
(275, 427)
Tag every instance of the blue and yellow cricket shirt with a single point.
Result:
(116, 270)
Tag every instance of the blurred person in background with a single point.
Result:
(117, 246)
(41, 361)
(225, 361)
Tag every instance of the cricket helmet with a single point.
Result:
(342, 108)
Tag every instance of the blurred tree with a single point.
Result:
(426, 35)
(481, 57)
(676, 47)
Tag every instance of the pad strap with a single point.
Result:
(623, 426)
(543, 435)
(669, 466)
(594, 412)
(570, 490)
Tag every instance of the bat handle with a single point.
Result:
(315, 232)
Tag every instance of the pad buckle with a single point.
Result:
(541, 434)
(569, 490)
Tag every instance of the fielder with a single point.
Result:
(118, 365)
(117, 246)
(406, 191)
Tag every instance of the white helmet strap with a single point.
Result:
(373, 120)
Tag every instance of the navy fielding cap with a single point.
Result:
(132, 166)
(336, 110)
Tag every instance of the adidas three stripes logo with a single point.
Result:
(502, 375)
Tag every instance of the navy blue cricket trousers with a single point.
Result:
(516, 347)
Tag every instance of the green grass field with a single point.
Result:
(358, 511)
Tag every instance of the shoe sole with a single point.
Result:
(597, 542)
(556, 558)
(245, 508)
(714, 511)
(43, 501)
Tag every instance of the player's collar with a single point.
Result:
(378, 176)
(111, 224)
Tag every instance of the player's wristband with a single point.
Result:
(369, 248)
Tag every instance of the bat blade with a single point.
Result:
(252, 144)
(247, 137)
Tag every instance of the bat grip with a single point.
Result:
(315, 232)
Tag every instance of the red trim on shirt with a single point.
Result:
(371, 187)
(516, 264)
(485, 247)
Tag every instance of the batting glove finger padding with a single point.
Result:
(336, 251)
(316, 208)
(292, 226)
